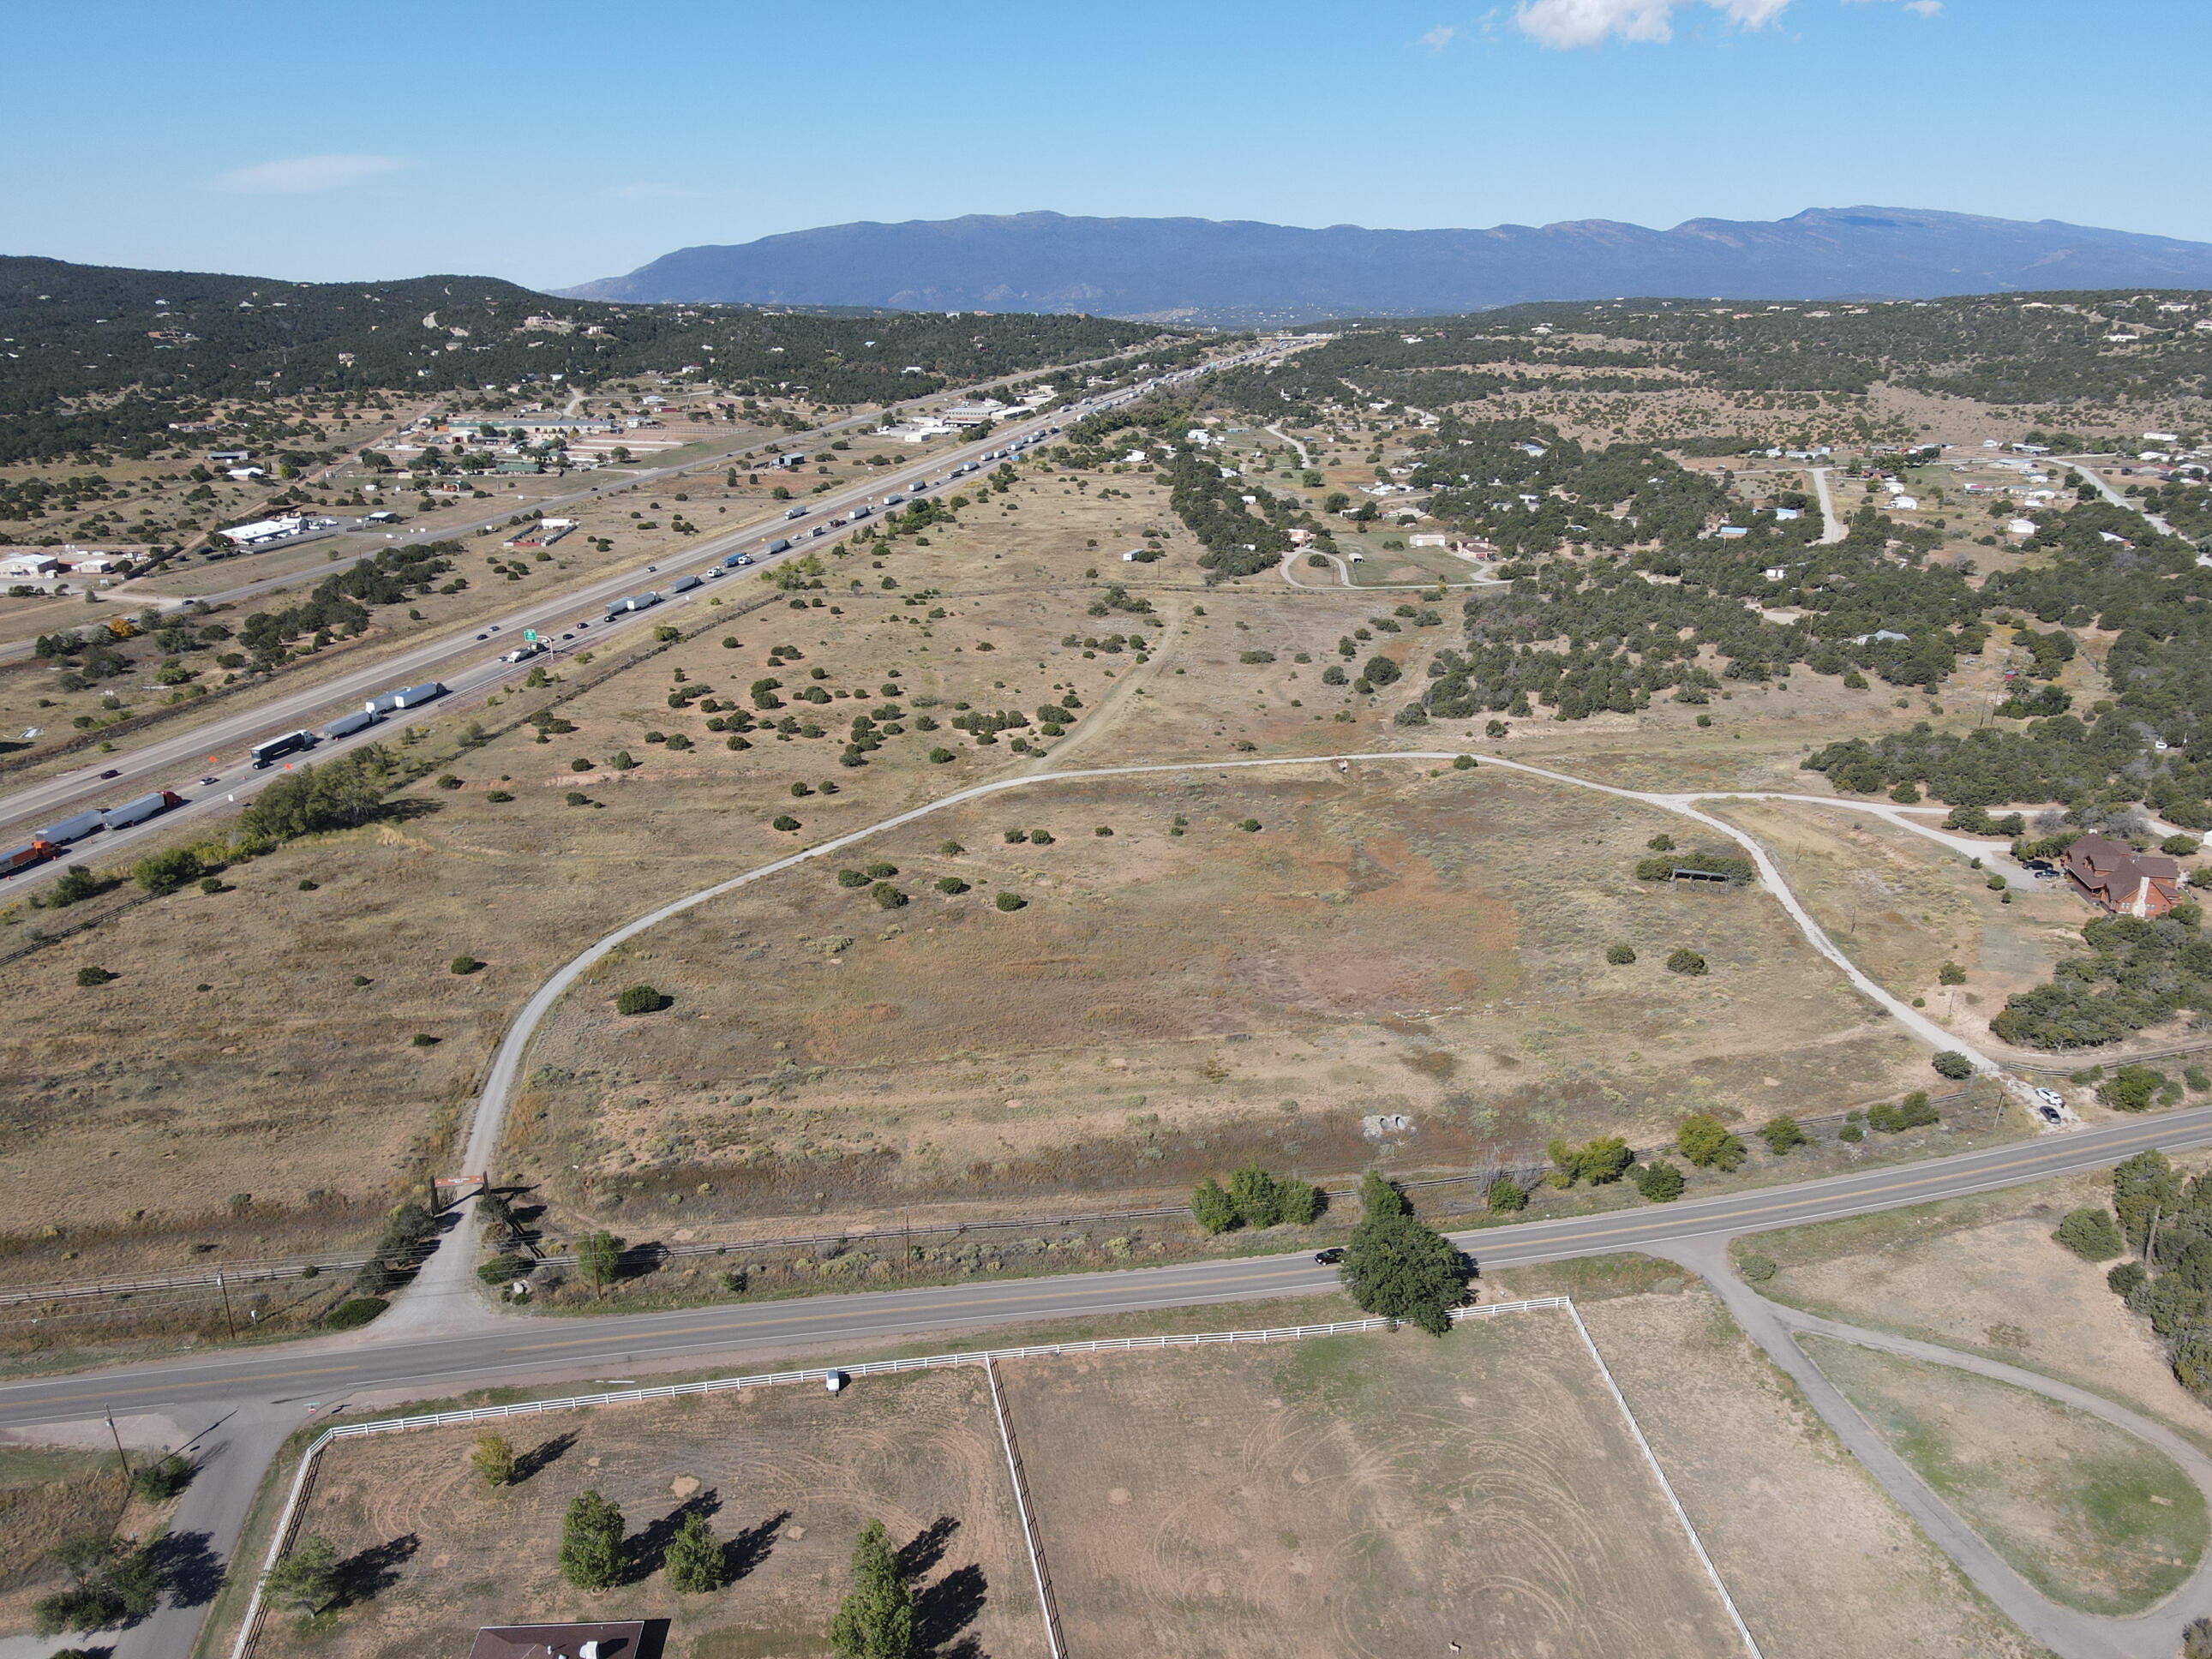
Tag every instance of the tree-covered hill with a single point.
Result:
(2012, 348)
(104, 358)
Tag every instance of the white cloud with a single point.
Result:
(1438, 38)
(1924, 8)
(303, 175)
(1565, 24)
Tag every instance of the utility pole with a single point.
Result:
(226, 1319)
(119, 1457)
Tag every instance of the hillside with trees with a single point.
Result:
(106, 358)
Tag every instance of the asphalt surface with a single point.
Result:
(516, 1348)
(468, 665)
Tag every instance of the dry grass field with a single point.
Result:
(2092, 1516)
(788, 1477)
(1819, 1559)
(1362, 1495)
(45, 1497)
(1902, 906)
(1388, 942)
(1984, 1274)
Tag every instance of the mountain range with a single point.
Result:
(1243, 272)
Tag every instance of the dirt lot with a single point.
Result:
(1355, 1495)
(1819, 1560)
(1984, 1274)
(788, 1477)
(2088, 1514)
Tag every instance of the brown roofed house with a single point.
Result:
(2122, 881)
(621, 1641)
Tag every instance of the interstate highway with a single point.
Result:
(468, 665)
(513, 1349)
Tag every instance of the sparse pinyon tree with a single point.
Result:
(494, 1458)
(591, 1556)
(599, 1258)
(876, 1619)
(306, 1578)
(694, 1560)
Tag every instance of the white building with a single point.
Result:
(30, 564)
(261, 531)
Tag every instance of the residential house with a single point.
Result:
(612, 1641)
(2128, 884)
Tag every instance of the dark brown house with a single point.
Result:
(623, 1641)
(2122, 881)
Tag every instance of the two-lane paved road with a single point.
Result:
(514, 1349)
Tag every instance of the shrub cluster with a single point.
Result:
(1255, 1198)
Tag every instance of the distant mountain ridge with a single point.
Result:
(1243, 271)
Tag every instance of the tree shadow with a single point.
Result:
(647, 1551)
(190, 1572)
(364, 1574)
(750, 1547)
(407, 810)
(540, 1457)
(944, 1610)
(927, 1547)
(647, 1256)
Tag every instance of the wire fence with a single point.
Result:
(256, 1611)
(1528, 1175)
(244, 1273)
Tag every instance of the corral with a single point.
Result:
(787, 1476)
(1357, 1495)
(1185, 1498)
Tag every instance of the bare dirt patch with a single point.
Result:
(1355, 1495)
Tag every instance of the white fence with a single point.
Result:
(287, 1522)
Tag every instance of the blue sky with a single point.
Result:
(555, 143)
